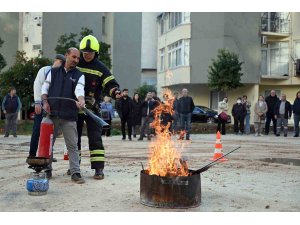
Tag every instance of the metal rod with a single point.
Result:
(143, 167)
(206, 167)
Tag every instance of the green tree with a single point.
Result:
(2, 60)
(144, 89)
(225, 71)
(21, 76)
(66, 41)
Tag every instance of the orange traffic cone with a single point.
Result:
(218, 149)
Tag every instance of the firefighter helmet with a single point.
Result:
(89, 44)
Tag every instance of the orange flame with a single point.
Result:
(165, 158)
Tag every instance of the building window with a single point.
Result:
(161, 59)
(36, 47)
(215, 98)
(297, 49)
(178, 53)
(277, 22)
(103, 25)
(175, 18)
(275, 59)
(172, 19)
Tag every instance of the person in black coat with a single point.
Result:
(271, 101)
(239, 112)
(137, 113)
(124, 107)
(296, 111)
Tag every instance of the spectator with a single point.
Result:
(239, 112)
(147, 107)
(11, 106)
(124, 108)
(222, 115)
(107, 113)
(166, 116)
(185, 108)
(175, 113)
(296, 111)
(271, 101)
(247, 117)
(154, 96)
(260, 110)
(282, 112)
(137, 114)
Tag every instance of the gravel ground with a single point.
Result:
(244, 183)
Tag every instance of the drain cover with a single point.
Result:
(287, 161)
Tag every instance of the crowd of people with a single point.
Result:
(268, 109)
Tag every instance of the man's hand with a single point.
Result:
(4, 111)
(275, 117)
(46, 106)
(80, 103)
(37, 108)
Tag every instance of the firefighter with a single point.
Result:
(98, 79)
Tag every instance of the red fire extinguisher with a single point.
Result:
(46, 138)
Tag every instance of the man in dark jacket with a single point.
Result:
(296, 111)
(11, 105)
(282, 112)
(124, 107)
(271, 101)
(147, 107)
(185, 107)
(239, 112)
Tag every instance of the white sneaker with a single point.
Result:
(256, 134)
(261, 135)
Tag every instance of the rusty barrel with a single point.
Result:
(170, 192)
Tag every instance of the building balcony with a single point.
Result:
(275, 24)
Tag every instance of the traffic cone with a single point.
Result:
(218, 149)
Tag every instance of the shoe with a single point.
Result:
(148, 138)
(123, 139)
(69, 172)
(285, 135)
(277, 135)
(256, 134)
(49, 174)
(76, 177)
(134, 136)
(99, 175)
(54, 160)
(261, 135)
(129, 139)
(266, 133)
(15, 135)
(296, 135)
(6, 135)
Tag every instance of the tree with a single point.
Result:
(66, 41)
(2, 60)
(225, 71)
(144, 89)
(21, 76)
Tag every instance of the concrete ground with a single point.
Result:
(244, 183)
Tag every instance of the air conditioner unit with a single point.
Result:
(264, 40)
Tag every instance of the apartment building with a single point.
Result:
(188, 41)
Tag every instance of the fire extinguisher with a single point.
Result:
(46, 138)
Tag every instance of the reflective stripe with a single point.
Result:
(47, 82)
(107, 79)
(93, 152)
(85, 70)
(80, 83)
(97, 159)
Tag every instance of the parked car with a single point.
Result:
(202, 114)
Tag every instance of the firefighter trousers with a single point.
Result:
(95, 140)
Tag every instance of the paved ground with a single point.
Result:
(244, 183)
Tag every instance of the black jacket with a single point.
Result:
(288, 109)
(98, 78)
(271, 102)
(185, 105)
(63, 85)
(11, 104)
(124, 107)
(296, 106)
(137, 113)
(239, 110)
(151, 104)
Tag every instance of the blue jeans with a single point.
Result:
(296, 124)
(35, 134)
(185, 123)
(247, 123)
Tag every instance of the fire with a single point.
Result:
(165, 158)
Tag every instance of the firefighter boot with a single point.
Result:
(99, 175)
